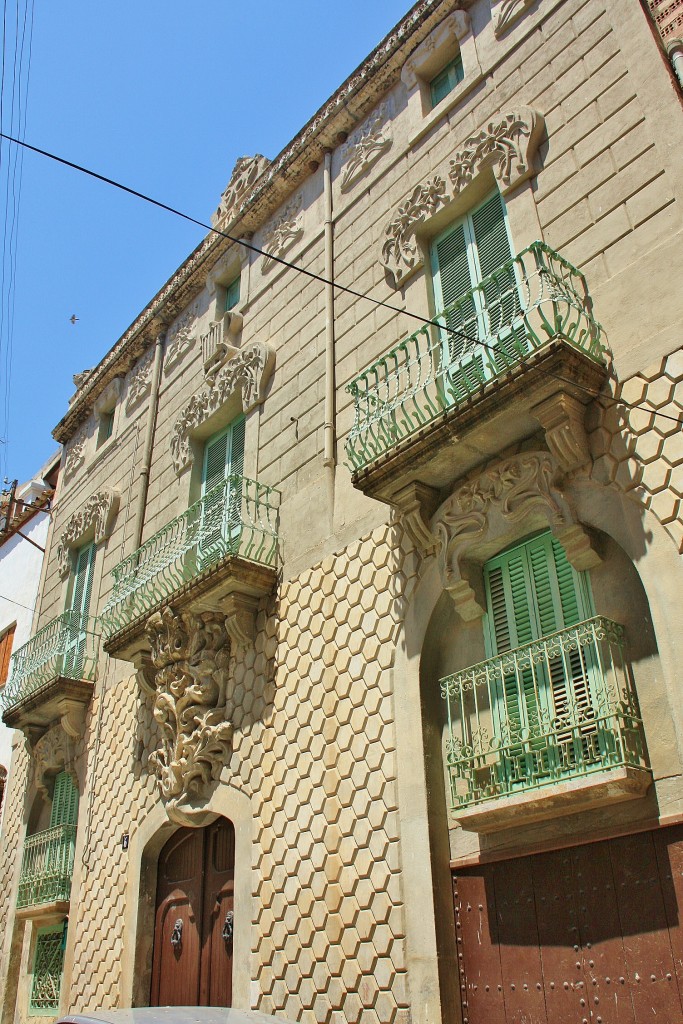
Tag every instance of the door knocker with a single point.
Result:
(177, 934)
(228, 928)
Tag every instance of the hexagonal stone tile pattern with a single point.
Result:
(636, 441)
(314, 748)
(9, 851)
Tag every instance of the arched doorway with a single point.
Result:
(192, 959)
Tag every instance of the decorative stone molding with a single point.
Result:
(52, 753)
(455, 25)
(181, 338)
(520, 491)
(508, 146)
(401, 254)
(562, 419)
(242, 180)
(75, 455)
(98, 512)
(250, 369)
(140, 385)
(506, 13)
(366, 145)
(109, 397)
(190, 655)
(285, 232)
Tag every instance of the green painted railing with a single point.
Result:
(47, 866)
(561, 707)
(238, 517)
(534, 298)
(68, 646)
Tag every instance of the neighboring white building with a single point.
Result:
(23, 537)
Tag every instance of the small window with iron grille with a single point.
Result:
(48, 962)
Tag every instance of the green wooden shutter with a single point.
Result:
(64, 801)
(501, 296)
(81, 583)
(79, 607)
(232, 294)
(221, 511)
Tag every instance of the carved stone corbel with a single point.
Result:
(506, 501)
(190, 655)
(417, 503)
(240, 617)
(562, 418)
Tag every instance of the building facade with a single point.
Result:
(354, 691)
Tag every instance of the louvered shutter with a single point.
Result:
(236, 471)
(59, 852)
(64, 801)
(221, 511)
(501, 297)
(79, 608)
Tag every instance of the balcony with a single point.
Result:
(519, 352)
(546, 729)
(222, 552)
(47, 867)
(53, 674)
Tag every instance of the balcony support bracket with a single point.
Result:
(417, 503)
(562, 419)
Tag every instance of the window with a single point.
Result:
(446, 80)
(222, 490)
(64, 801)
(106, 428)
(475, 292)
(48, 962)
(544, 704)
(77, 611)
(6, 641)
(232, 294)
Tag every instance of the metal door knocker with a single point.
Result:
(177, 934)
(228, 927)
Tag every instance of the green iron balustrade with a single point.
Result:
(532, 299)
(67, 647)
(47, 866)
(557, 708)
(238, 517)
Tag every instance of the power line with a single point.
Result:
(425, 321)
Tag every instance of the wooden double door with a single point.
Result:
(192, 958)
(587, 935)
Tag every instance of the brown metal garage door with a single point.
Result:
(587, 934)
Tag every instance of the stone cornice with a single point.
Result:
(349, 105)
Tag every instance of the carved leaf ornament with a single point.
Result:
(365, 146)
(286, 231)
(98, 513)
(507, 145)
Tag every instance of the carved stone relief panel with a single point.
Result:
(507, 145)
(181, 337)
(52, 753)
(190, 656)
(487, 512)
(75, 454)
(140, 383)
(249, 370)
(506, 13)
(242, 180)
(366, 145)
(285, 232)
(98, 512)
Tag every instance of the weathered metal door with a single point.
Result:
(192, 959)
(587, 935)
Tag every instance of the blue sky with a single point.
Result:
(163, 96)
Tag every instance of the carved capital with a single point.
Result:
(97, 516)
(562, 418)
(505, 502)
(507, 144)
(249, 370)
(417, 503)
(190, 656)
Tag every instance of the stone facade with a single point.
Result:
(299, 696)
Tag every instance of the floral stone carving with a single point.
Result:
(365, 146)
(242, 180)
(140, 385)
(507, 13)
(285, 232)
(75, 456)
(507, 145)
(400, 252)
(181, 337)
(250, 370)
(518, 491)
(190, 655)
(52, 753)
(97, 514)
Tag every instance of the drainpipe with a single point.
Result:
(149, 439)
(675, 51)
(329, 459)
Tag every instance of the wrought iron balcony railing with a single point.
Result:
(238, 517)
(68, 647)
(558, 708)
(47, 866)
(533, 299)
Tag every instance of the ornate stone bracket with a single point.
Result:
(562, 418)
(190, 656)
(98, 513)
(507, 499)
(249, 370)
(417, 503)
(285, 232)
(507, 145)
(365, 146)
(506, 13)
(52, 753)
